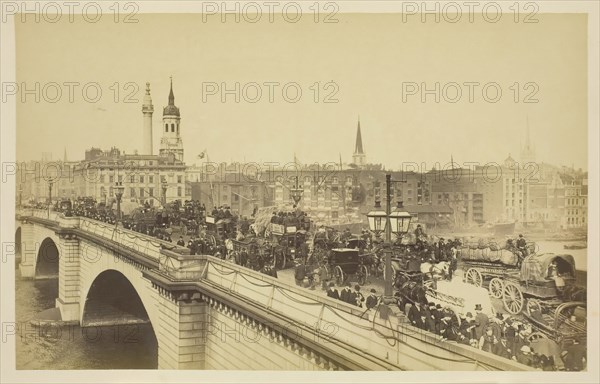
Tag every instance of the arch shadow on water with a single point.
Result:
(114, 314)
(46, 265)
(18, 245)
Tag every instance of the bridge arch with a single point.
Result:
(47, 259)
(111, 299)
(111, 294)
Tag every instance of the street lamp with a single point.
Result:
(50, 182)
(20, 195)
(388, 221)
(164, 192)
(296, 193)
(400, 220)
(119, 188)
(377, 218)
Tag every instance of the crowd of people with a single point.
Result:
(354, 297)
(298, 219)
(501, 335)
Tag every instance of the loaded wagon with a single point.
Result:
(544, 278)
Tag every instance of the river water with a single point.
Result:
(558, 247)
(73, 347)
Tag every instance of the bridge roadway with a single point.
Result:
(211, 314)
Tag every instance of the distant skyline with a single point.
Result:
(367, 56)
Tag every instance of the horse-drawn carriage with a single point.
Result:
(541, 280)
(287, 244)
(342, 264)
(219, 229)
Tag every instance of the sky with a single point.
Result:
(367, 62)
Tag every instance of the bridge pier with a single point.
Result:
(182, 330)
(28, 250)
(68, 278)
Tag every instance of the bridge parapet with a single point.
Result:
(182, 266)
(358, 339)
(212, 292)
(139, 242)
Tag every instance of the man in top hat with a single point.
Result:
(431, 317)
(502, 348)
(181, 242)
(332, 292)
(496, 324)
(447, 325)
(357, 296)
(481, 322)
(520, 339)
(468, 326)
(346, 294)
(372, 299)
(416, 315)
(300, 273)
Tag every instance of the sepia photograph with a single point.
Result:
(283, 191)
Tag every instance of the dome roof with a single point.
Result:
(171, 110)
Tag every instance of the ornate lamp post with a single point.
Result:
(296, 193)
(20, 195)
(50, 183)
(164, 192)
(119, 188)
(396, 221)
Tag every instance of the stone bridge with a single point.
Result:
(207, 313)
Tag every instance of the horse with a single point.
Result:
(413, 291)
(437, 271)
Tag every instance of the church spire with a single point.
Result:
(358, 149)
(527, 152)
(171, 96)
(171, 109)
(359, 157)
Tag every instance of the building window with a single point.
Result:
(151, 192)
(151, 179)
(102, 179)
(179, 178)
(141, 192)
(179, 191)
(224, 188)
(111, 179)
(132, 179)
(172, 127)
(166, 127)
(141, 179)
(150, 162)
(224, 197)
(120, 179)
(110, 192)
(132, 192)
